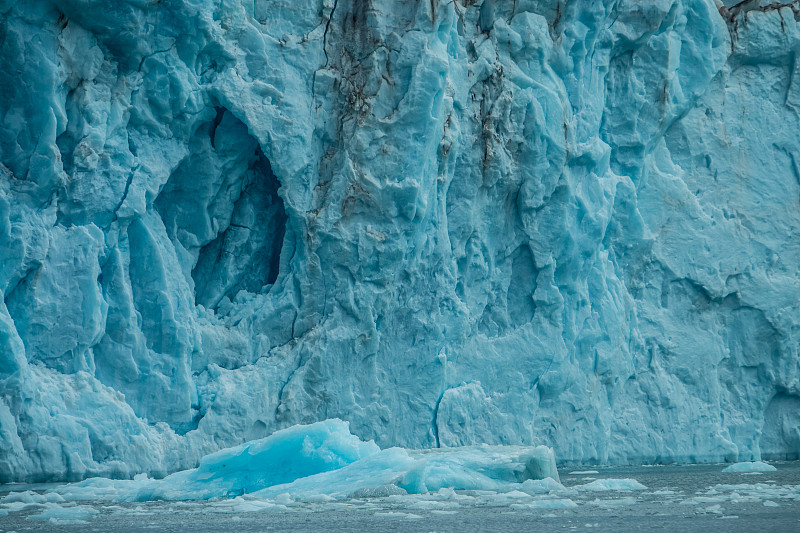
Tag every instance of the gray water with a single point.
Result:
(676, 498)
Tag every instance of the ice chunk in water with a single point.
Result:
(749, 467)
(324, 458)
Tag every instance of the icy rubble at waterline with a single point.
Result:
(325, 460)
(323, 467)
(685, 493)
(324, 464)
(450, 223)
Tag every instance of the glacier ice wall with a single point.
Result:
(562, 222)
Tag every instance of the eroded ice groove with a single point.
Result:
(505, 222)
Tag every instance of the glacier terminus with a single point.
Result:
(565, 224)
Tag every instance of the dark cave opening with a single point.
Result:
(221, 205)
(246, 254)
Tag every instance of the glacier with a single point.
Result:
(449, 223)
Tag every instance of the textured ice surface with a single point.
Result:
(450, 223)
(66, 514)
(325, 460)
(749, 467)
(675, 493)
(611, 484)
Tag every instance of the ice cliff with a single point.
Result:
(450, 222)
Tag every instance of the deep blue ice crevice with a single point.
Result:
(221, 205)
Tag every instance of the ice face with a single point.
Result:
(449, 223)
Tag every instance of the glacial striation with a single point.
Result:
(572, 223)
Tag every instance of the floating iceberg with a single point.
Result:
(750, 466)
(325, 459)
(600, 485)
(60, 514)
